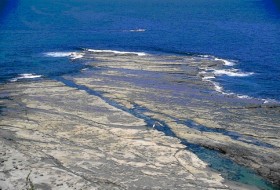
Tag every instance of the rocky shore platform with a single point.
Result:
(132, 122)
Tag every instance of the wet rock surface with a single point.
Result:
(122, 124)
(57, 137)
(172, 90)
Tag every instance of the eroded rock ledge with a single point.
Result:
(57, 137)
(173, 90)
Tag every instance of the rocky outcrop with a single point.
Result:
(173, 91)
(57, 137)
(123, 124)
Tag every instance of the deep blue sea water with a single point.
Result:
(247, 31)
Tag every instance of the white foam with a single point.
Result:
(25, 76)
(138, 30)
(72, 55)
(210, 74)
(205, 56)
(231, 73)
(226, 62)
(208, 78)
(58, 54)
(217, 87)
(77, 56)
(243, 96)
(117, 52)
(270, 101)
(265, 101)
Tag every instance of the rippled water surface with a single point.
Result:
(245, 32)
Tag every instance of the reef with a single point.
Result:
(122, 124)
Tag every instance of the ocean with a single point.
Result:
(243, 33)
(55, 39)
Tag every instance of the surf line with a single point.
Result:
(204, 153)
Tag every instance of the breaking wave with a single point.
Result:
(225, 61)
(25, 76)
(210, 74)
(231, 73)
(72, 55)
(138, 30)
(116, 52)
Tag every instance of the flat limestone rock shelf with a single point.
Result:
(57, 137)
(173, 90)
